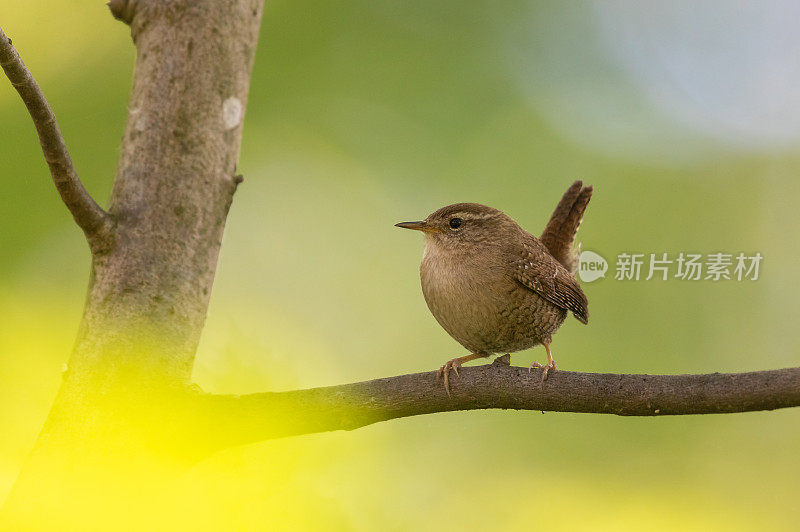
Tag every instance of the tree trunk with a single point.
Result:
(118, 428)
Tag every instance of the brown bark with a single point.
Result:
(233, 420)
(115, 425)
(94, 222)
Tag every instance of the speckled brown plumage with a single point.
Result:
(494, 287)
(559, 234)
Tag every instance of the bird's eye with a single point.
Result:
(455, 223)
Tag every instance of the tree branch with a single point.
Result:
(93, 220)
(123, 10)
(244, 419)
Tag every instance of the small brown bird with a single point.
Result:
(494, 287)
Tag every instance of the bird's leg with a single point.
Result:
(551, 364)
(454, 365)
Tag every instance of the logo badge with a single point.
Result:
(591, 266)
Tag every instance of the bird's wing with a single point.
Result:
(537, 270)
(559, 234)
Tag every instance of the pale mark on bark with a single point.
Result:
(231, 112)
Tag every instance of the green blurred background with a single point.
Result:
(684, 117)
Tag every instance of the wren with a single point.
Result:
(494, 287)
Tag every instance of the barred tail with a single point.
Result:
(559, 234)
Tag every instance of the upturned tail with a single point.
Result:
(559, 235)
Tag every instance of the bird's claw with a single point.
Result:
(444, 372)
(544, 367)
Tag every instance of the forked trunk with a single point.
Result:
(117, 430)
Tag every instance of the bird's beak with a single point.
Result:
(418, 226)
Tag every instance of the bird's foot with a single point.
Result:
(545, 368)
(454, 364)
(444, 372)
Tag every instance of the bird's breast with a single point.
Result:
(466, 294)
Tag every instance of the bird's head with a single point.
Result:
(465, 224)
